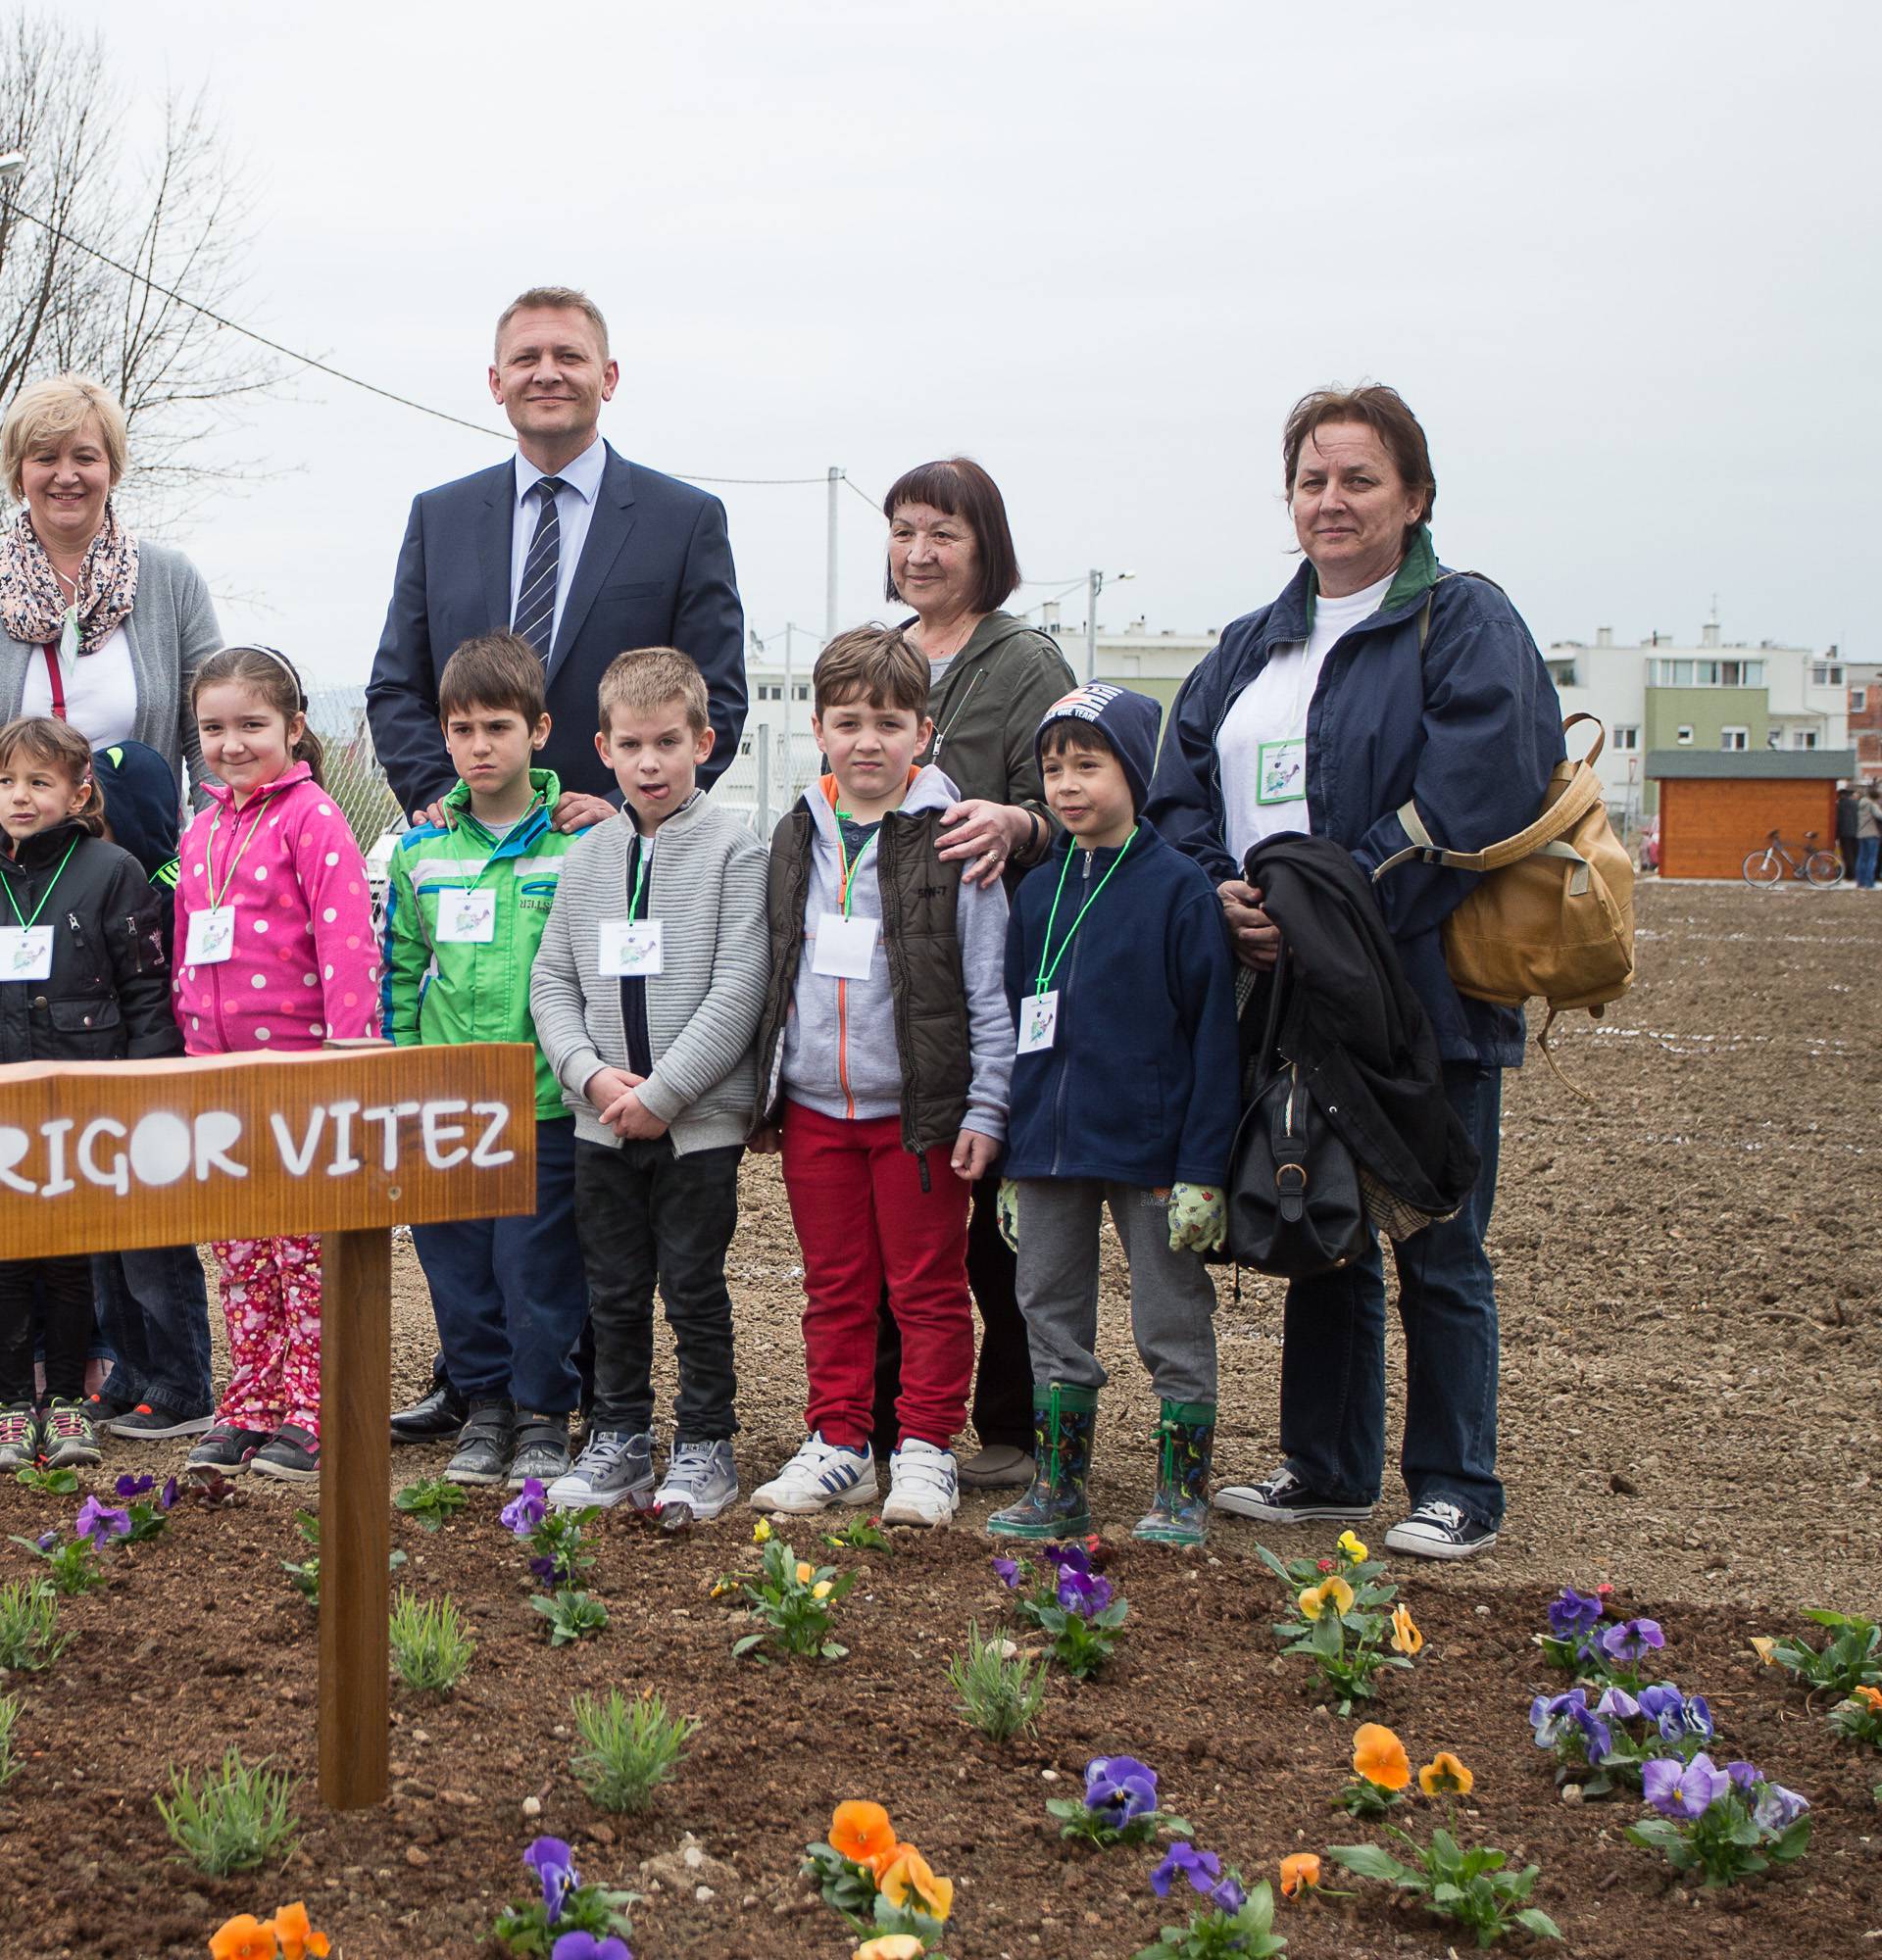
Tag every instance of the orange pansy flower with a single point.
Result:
(1379, 1757)
(910, 1873)
(243, 1937)
(1406, 1638)
(1870, 1696)
(1300, 1873)
(295, 1932)
(1445, 1776)
(861, 1831)
(891, 1946)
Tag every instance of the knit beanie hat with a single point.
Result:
(141, 800)
(1127, 722)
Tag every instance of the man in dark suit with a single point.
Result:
(568, 543)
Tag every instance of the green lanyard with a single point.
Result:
(850, 870)
(209, 855)
(26, 924)
(1047, 967)
(646, 858)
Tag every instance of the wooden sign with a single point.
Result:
(97, 1156)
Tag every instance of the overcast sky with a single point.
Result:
(1623, 261)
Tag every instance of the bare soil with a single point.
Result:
(1690, 1279)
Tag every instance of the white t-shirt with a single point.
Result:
(101, 691)
(1262, 744)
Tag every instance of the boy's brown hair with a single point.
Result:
(649, 677)
(56, 745)
(1067, 735)
(878, 665)
(494, 671)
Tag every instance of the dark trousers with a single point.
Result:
(1002, 1381)
(153, 1311)
(649, 1217)
(508, 1293)
(63, 1288)
(1333, 1350)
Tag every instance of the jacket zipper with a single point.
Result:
(1059, 1097)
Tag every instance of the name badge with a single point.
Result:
(633, 948)
(1038, 1018)
(210, 937)
(1281, 771)
(844, 947)
(25, 953)
(468, 918)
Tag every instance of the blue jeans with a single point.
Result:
(508, 1293)
(1333, 1351)
(1866, 849)
(153, 1309)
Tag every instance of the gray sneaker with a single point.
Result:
(485, 1446)
(542, 1449)
(698, 1483)
(617, 1467)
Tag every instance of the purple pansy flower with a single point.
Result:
(1657, 1701)
(1746, 1777)
(128, 1485)
(168, 1494)
(1121, 1785)
(543, 1569)
(1227, 1895)
(1683, 1789)
(1007, 1571)
(1776, 1808)
(554, 1864)
(1200, 1868)
(1631, 1639)
(1572, 1613)
(1552, 1717)
(585, 1947)
(101, 1523)
(1066, 1557)
(526, 1512)
(1083, 1592)
(46, 1541)
(1618, 1706)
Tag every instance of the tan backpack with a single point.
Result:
(1553, 914)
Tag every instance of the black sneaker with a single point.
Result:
(1439, 1530)
(292, 1454)
(104, 1408)
(1283, 1500)
(436, 1417)
(542, 1449)
(227, 1448)
(153, 1421)
(486, 1448)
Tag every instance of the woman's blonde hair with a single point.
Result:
(57, 744)
(49, 410)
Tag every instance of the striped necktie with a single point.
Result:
(535, 613)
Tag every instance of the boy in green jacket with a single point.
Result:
(472, 896)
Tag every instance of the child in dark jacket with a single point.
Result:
(83, 977)
(1124, 1091)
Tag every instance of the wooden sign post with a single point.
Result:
(101, 1156)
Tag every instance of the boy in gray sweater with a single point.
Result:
(646, 994)
(884, 1054)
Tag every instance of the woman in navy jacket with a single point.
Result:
(1375, 678)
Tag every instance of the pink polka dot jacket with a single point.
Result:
(305, 962)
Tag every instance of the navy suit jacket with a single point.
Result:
(655, 570)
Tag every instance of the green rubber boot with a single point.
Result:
(1185, 1443)
(1062, 1419)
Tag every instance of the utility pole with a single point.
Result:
(829, 561)
(1094, 585)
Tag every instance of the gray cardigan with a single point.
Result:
(171, 630)
(707, 888)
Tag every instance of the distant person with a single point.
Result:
(1848, 834)
(991, 677)
(572, 547)
(1868, 835)
(1391, 682)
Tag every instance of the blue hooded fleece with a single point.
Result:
(1140, 1084)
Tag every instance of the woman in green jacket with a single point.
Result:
(991, 679)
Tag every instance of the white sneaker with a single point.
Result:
(819, 1475)
(924, 1485)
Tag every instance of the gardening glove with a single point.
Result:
(1198, 1218)
(1006, 1210)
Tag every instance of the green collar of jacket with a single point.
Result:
(544, 783)
(1417, 574)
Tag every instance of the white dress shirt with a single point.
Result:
(574, 506)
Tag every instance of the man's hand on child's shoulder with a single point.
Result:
(576, 811)
(973, 1155)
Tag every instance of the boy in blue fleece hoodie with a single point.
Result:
(1125, 1093)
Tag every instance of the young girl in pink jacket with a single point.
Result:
(275, 950)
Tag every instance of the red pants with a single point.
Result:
(271, 1310)
(864, 1220)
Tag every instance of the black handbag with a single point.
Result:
(1294, 1201)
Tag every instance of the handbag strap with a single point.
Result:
(56, 678)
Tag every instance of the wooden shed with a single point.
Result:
(1716, 805)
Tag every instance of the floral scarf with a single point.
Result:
(32, 602)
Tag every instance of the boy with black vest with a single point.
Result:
(884, 1058)
(1124, 1095)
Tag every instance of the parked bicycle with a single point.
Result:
(1774, 863)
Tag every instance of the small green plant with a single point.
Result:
(430, 1646)
(47, 1483)
(1850, 1658)
(1232, 1921)
(794, 1598)
(629, 1749)
(430, 1500)
(1859, 1719)
(1344, 1628)
(1471, 1887)
(1000, 1689)
(9, 1715)
(238, 1821)
(862, 1535)
(1729, 1822)
(573, 1616)
(30, 1636)
(71, 1566)
(304, 1574)
(1078, 1610)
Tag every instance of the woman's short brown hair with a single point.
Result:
(963, 489)
(60, 745)
(49, 410)
(1382, 410)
